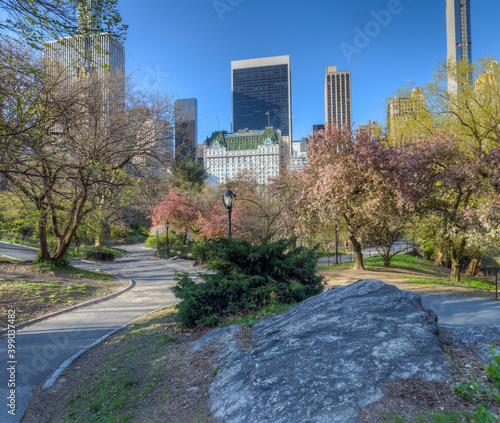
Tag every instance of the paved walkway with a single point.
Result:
(41, 348)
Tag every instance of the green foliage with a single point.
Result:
(200, 251)
(176, 243)
(493, 368)
(483, 393)
(246, 277)
(429, 250)
(104, 253)
(188, 174)
(63, 263)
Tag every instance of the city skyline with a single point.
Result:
(349, 36)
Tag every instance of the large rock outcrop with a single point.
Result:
(326, 357)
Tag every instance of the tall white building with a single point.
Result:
(338, 109)
(255, 154)
(78, 56)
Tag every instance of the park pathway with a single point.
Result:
(42, 347)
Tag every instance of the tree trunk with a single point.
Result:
(473, 267)
(77, 244)
(357, 254)
(62, 247)
(455, 270)
(98, 241)
(439, 258)
(387, 259)
(42, 233)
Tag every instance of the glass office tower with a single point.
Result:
(458, 29)
(262, 94)
(186, 128)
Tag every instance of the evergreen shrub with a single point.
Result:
(99, 253)
(246, 277)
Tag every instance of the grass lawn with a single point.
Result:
(427, 273)
(32, 242)
(34, 292)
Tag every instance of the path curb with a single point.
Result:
(50, 381)
(34, 248)
(85, 304)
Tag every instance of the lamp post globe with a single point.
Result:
(228, 198)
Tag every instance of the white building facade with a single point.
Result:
(253, 154)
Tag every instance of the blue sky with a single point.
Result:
(186, 47)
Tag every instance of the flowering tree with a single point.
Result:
(455, 191)
(180, 210)
(213, 223)
(339, 181)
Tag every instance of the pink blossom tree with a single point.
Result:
(334, 184)
(180, 210)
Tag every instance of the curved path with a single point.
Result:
(42, 347)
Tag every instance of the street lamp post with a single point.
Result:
(336, 222)
(228, 197)
(167, 224)
(157, 244)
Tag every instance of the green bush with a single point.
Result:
(99, 253)
(175, 242)
(63, 263)
(246, 277)
(200, 251)
(429, 250)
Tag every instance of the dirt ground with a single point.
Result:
(147, 380)
(34, 293)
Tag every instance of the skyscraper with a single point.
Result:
(458, 33)
(401, 114)
(262, 95)
(337, 97)
(186, 128)
(458, 30)
(79, 56)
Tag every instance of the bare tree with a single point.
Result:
(70, 151)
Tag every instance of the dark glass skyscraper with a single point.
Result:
(186, 128)
(458, 28)
(262, 94)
